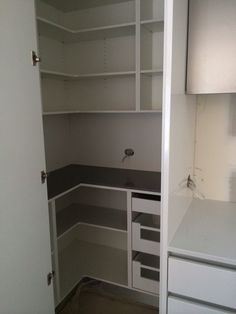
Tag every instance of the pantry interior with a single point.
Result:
(101, 80)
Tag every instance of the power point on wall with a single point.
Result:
(129, 152)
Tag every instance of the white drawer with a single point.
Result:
(201, 281)
(145, 239)
(145, 205)
(178, 306)
(145, 277)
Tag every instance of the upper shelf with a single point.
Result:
(61, 33)
(72, 5)
(74, 77)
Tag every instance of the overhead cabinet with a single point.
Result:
(211, 47)
(92, 53)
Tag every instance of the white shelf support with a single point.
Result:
(138, 52)
(129, 238)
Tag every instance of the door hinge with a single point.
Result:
(44, 176)
(34, 58)
(50, 277)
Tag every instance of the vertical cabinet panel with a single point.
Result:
(24, 222)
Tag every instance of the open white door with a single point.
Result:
(25, 257)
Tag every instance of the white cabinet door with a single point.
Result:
(24, 224)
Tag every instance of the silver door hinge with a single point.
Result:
(44, 176)
(50, 277)
(35, 59)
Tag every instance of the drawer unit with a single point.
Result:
(145, 203)
(179, 306)
(146, 234)
(146, 273)
(203, 282)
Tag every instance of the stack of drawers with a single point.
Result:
(146, 242)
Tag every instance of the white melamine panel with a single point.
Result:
(102, 94)
(152, 9)
(24, 220)
(142, 282)
(54, 95)
(108, 55)
(201, 281)
(178, 306)
(117, 13)
(108, 135)
(49, 12)
(211, 47)
(107, 218)
(148, 206)
(57, 142)
(178, 131)
(72, 5)
(182, 124)
(52, 54)
(208, 232)
(215, 164)
(152, 46)
(92, 252)
(94, 196)
(151, 92)
(145, 240)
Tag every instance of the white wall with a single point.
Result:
(215, 156)
(57, 141)
(100, 140)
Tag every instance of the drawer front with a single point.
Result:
(142, 282)
(202, 281)
(146, 206)
(141, 244)
(178, 306)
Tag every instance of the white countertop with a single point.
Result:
(208, 231)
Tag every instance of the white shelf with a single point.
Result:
(152, 72)
(67, 76)
(108, 218)
(153, 25)
(208, 232)
(83, 259)
(56, 31)
(52, 113)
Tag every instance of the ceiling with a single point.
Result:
(72, 5)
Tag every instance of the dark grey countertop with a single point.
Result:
(67, 177)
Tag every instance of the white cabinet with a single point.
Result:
(180, 306)
(203, 282)
(211, 47)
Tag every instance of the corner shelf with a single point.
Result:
(84, 259)
(53, 30)
(52, 113)
(153, 25)
(74, 77)
(107, 218)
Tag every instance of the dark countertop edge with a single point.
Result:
(66, 178)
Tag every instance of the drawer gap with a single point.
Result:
(150, 274)
(147, 196)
